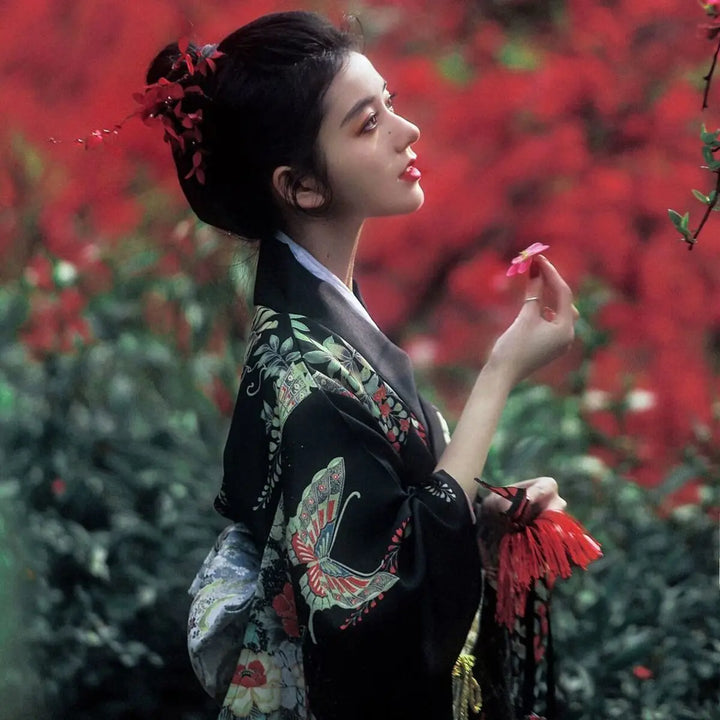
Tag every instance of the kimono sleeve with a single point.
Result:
(383, 560)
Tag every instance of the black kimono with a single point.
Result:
(370, 572)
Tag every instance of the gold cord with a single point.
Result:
(466, 691)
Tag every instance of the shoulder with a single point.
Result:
(292, 357)
(284, 339)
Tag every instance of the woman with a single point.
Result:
(362, 514)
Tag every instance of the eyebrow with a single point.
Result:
(359, 105)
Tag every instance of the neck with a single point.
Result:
(329, 242)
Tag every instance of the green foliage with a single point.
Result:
(110, 457)
(454, 67)
(650, 602)
(681, 223)
(517, 54)
(710, 146)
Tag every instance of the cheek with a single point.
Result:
(352, 175)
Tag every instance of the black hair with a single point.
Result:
(262, 108)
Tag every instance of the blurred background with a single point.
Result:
(122, 324)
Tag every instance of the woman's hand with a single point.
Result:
(543, 329)
(537, 336)
(542, 494)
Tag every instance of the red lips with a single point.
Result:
(411, 173)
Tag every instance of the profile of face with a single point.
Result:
(367, 146)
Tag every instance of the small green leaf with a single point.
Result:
(701, 197)
(685, 221)
(709, 138)
(675, 217)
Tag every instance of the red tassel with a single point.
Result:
(545, 548)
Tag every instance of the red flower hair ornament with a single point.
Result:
(163, 101)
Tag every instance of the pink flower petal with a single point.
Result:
(520, 263)
(535, 248)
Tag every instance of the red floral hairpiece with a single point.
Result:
(163, 101)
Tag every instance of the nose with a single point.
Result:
(406, 132)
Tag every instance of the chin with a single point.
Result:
(414, 202)
(419, 200)
(405, 206)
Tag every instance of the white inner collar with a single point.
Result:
(314, 266)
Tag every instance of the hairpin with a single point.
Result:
(163, 101)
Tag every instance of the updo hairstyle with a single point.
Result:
(261, 108)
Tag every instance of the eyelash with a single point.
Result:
(371, 123)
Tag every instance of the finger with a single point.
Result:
(526, 483)
(534, 287)
(542, 495)
(541, 489)
(560, 290)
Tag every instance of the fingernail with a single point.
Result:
(534, 270)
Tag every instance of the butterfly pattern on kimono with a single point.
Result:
(327, 582)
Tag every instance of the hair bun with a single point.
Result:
(234, 112)
(180, 61)
(163, 64)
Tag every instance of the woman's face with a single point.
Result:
(367, 146)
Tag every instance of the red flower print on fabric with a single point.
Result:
(250, 675)
(284, 606)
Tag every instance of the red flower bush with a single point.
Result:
(575, 131)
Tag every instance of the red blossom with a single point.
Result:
(55, 323)
(197, 169)
(221, 396)
(642, 673)
(208, 62)
(39, 272)
(185, 57)
(58, 487)
(572, 151)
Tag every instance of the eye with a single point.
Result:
(371, 123)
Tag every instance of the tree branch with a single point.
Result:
(708, 78)
(710, 206)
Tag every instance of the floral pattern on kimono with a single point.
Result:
(308, 594)
(369, 577)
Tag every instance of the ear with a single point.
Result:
(308, 196)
